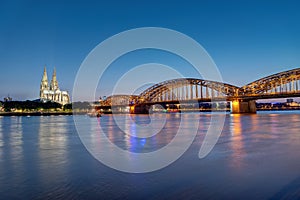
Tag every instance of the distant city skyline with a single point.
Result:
(247, 40)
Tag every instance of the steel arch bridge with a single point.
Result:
(185, 89)
(120, 99)
(283, 84)
(279, 85)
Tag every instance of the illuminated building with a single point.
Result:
(52, 93)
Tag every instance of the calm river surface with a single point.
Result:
(256, 157)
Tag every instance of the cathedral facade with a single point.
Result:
(52, 92)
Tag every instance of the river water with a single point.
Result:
(256, 157)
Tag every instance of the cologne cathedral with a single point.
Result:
(52, 93)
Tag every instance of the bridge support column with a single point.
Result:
(139, 109)
(238, 106)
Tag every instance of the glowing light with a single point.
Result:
(235, 103)
(131, 109)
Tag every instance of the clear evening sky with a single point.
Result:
(246, 39)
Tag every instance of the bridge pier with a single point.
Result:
(139, 109)
(239, 106)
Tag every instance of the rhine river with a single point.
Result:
(256, 157)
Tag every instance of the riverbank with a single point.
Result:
(40, 113)
(278, 109)
(55, 113)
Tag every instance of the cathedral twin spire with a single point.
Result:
(53, 83)
(44, 82)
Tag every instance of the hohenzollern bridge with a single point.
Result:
(184, 91)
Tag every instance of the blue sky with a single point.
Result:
(246, 39)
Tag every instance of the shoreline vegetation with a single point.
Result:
(35, 113)
(40, 108)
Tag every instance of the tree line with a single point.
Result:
(39, 105)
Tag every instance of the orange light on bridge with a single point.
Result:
(131, 109)
(235, 106)
(235, 103)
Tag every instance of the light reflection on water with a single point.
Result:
(257, 156)
(1, 135)
(237, 144)
(127, 141)
(52, 137)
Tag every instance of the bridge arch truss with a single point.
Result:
(283, 84)
(187, 89)
(287, 82)
(120, 99)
